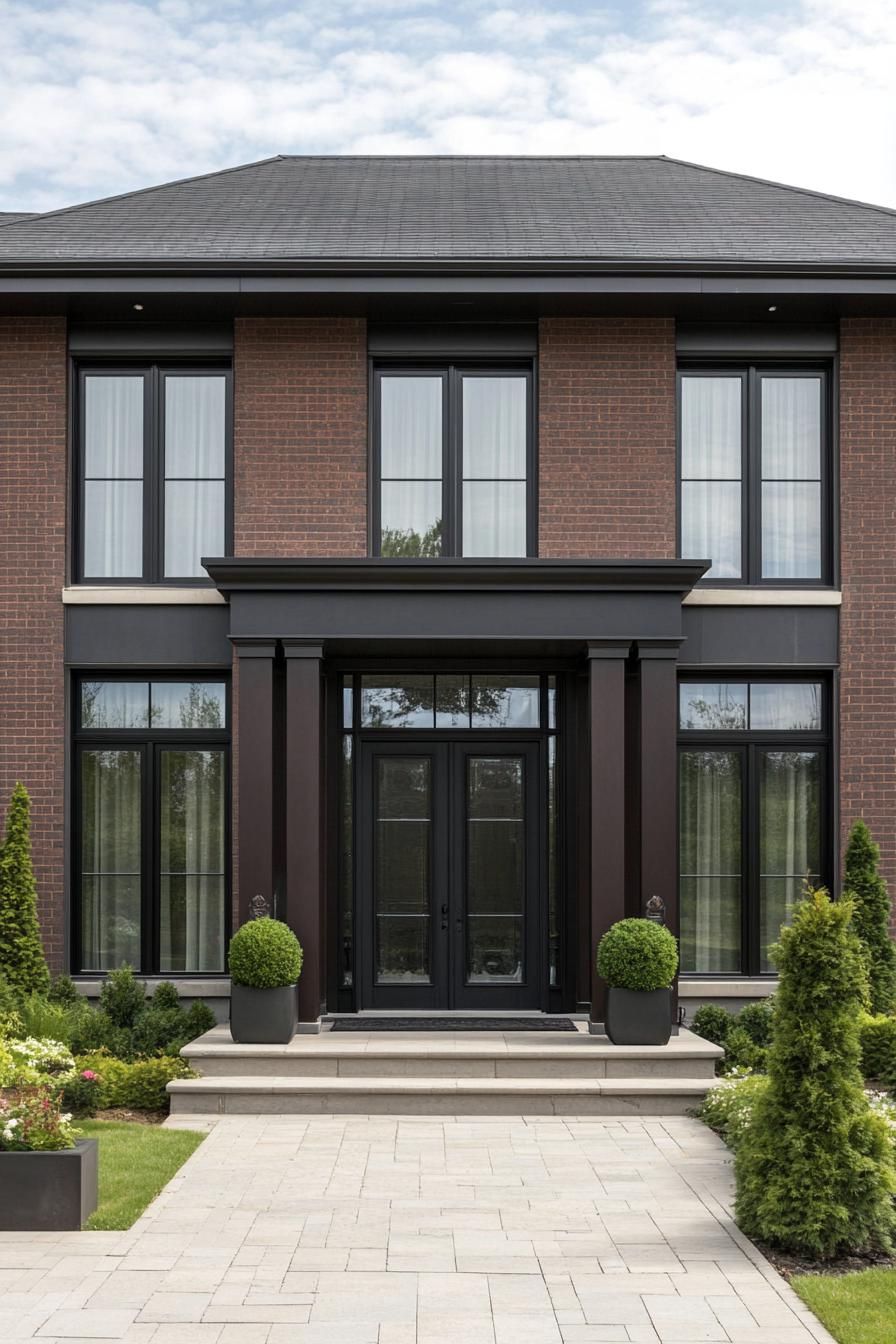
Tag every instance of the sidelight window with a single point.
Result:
(754, 469)
(151, 870)
(453, 466)
(154, 472)
(752, 807)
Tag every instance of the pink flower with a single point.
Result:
(89, 1075)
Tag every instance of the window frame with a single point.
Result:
(452, 373)
(748, 743)
(751, 372)
(150, 743)
(154, 373)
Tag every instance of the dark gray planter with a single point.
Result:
(263, 1016)
(48, 1192)
(638, 1016)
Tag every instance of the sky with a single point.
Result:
(102, 96)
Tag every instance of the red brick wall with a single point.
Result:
(868, 562)
(32, 574)
(606, 462)
(300, 436)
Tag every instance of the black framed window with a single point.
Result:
(453, 461)
(755, 473)
(151, 827)
(753, 815)
(155, 449)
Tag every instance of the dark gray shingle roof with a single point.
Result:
(14, 216)
(416, 209)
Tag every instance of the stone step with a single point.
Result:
(459, 1055)
(254, 1095)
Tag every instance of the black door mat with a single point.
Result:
(452, 1024)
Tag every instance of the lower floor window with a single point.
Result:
(752, 806)
(151, 845)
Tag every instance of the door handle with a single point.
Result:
(444, 918)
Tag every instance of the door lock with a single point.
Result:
(444, 918)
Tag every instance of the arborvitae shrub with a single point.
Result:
(878, 1039)
(64, 992)
(865, 887)
(815, 1169)
(21, 951)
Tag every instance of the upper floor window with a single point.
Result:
(754, 467)
(453, 452)
(154, 447)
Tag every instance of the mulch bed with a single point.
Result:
(789, 1265)
(133, 1117)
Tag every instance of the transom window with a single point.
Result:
(154, 472)
(151, 825)
(453, 462)
(754, 468)
(753, 821)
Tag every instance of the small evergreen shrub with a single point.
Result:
(139, 1085)
(165, 996)
(266, 954)
(729, 1106)
(877, 1035)
(63, 991)
(637, 954)
(815, 1167)
(863, 885)
(742, 1052)
(21, 951)
(713, 1023)
(199, 1020)
(123, 997)
(757, 1019)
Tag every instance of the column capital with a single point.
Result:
(254, 648)
(608, 649)
(303, 648)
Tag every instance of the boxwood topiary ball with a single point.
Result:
(265, 954)
(637, 954)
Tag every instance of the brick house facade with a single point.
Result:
(337, 413)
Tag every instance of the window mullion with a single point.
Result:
(151, 519)
(452, 464)
(752, 488)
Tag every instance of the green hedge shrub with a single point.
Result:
(123, 997)
(877, 1035)
(64, 992)
(815, 1168)
(637, 954)
(713, 1023)
(265, 954)
(139, 1085)
(757, 1019)
(863, 885)
(21, 951)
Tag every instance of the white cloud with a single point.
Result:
(101, 96)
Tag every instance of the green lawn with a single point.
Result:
(136, 1162)
(856, 1308)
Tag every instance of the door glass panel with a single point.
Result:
(402, 877)
(789, 837)
(192, 808)
(346, 860)
(452, 700)
(710, 789)
(111, 843)
(496, 868)
(502, 702)
(397, 702)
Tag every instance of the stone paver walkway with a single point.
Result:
(347, 1230)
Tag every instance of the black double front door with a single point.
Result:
(449, 874)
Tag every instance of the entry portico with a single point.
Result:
(532, 768)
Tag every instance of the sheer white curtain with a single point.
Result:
(789, 784)
(791, 477)
(494, 465)
(710, 794)
(195, 422)
(411, 465)
(110, 859)
(113, 476)
(192, 860)
(711, 472)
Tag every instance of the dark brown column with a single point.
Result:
(304, 820)
(606, 689)
(659, 777)
(255, 781)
